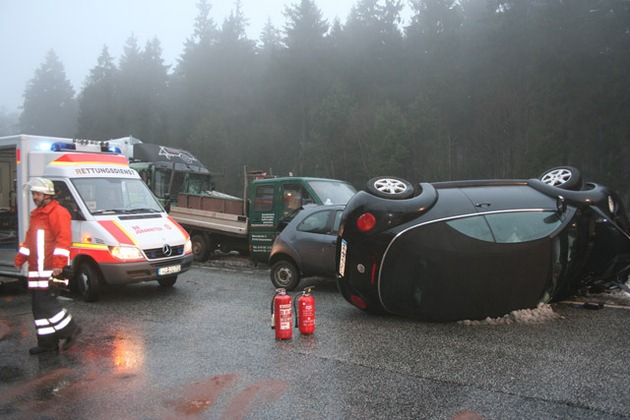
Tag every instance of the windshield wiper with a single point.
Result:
(143, 210)
(109, 211)
(126, 211)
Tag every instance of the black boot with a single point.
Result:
(69, 342)
(39, 349)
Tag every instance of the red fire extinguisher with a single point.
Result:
(281, 315)
(305, 312)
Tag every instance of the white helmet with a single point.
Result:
(42, 185)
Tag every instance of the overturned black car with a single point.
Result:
(474, 249)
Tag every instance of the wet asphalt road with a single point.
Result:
(204, 349)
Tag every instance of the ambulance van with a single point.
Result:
(120, 232)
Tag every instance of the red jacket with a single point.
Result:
(49, 233)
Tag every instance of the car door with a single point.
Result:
(317, 241)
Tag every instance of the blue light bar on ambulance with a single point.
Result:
(84, 146)
(59, 146)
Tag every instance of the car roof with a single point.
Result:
(470, 199)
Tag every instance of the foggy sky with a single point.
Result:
(78, 29)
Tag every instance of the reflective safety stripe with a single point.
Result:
(41, 322)
(39, 280)
(45, 331)
(38, 284)
(39, 274)
(24, 251)
(58, 317)
(62, 252)
(40, 250)
(63, 323)
(56, 323)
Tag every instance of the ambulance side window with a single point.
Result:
(65, 198)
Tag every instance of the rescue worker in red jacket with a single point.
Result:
(46, 248)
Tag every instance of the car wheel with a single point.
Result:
(390, 187)
(200, 248)
(167, 281)
(88, 279)
(284, 274)
(565, 177)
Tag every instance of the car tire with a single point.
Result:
(565, 177)
(89, 282)
(284, 274)
(200, 247)
(167, 281)
(390, 187)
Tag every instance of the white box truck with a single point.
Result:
(120, 232)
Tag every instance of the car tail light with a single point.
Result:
(366, 222)
(358, 302)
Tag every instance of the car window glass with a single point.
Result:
(293, 197)
(315, 223)
(65, 198)
(508, 227)
(475, 227)
(332, 192)
(263, 198)
(522, 226)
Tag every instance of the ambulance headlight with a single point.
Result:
(188, 247)
(126, 253)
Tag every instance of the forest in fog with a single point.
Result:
(464, 89)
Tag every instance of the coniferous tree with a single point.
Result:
(307, 79)
(97, 101)
(141, 91)
(332, 153)
(49, 105)
(270, 39)
(190, 88)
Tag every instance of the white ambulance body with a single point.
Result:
(120, 232)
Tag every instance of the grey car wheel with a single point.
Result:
(390, 187)
(284, 274)
(565, 177)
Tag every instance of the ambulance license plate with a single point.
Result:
(169, 270)
(342, 258)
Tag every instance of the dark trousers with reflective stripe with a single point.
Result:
(51, 320)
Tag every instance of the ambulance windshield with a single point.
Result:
(116, 196)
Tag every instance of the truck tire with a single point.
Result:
(88, 280)
(167, 281)
(200, 247)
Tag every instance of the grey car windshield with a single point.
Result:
(332, 192)
(116, 196)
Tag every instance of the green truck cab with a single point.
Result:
(272, 199)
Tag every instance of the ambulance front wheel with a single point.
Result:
(88, 279)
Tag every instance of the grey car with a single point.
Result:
(306, 246)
